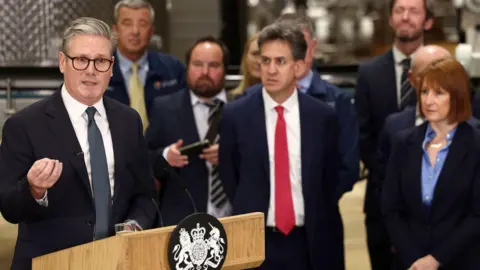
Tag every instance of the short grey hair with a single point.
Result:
(89, 27)
(135, 4)
(298, 19)
(291, 34)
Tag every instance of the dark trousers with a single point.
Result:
(286, 252)
(378, 242)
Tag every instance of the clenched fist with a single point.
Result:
(43, 174)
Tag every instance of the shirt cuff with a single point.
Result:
(43, 201)
(165, 152)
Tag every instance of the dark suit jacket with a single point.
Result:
(375, 99)
(166, 75)
(173, 119)
(394, 124)
(341, 101)
(43, 130)
(245, 169)
(450, 230)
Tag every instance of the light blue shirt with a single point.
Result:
(430, 174)
(304, 83)
(126, 68)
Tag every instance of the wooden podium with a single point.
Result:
(148, 249)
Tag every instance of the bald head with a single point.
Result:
(426, 55)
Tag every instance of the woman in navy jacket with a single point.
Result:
(431, 197)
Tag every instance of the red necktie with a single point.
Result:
(284, 214)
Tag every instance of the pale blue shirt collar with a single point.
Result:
(305, 82)
(126, 64)
(196, 100)
(430, 135)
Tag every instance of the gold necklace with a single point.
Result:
(436, 145)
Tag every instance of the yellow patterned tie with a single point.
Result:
(137, 98)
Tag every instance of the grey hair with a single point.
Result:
(298, 19)
(291, 34)
(89, 27)
(135, 4)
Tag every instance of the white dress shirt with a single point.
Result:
(201, 112)
(292, 118)
(78, 116)
(398, 57)
(79, 119)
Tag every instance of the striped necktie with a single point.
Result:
(407, 92)
(218, 197)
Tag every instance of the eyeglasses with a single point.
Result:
(82, 63)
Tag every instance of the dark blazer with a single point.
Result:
(166, 75)
(394, 124)
(450, 230)
(375, 99)
(245, 169)
(341, 101)
(173, 119)
(43, 130)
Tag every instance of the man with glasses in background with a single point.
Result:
(75, 164)
(139, 74)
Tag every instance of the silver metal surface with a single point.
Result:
(32, 29)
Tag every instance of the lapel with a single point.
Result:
(258, 121)
(187, 119)
(62, 128)
(307, 134)
(414, 157)
(389, 85)
(456, 153)
(116, 131)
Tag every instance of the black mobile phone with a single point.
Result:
(194, 148)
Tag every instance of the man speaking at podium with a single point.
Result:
(75, 163)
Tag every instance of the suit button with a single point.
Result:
(89, 223)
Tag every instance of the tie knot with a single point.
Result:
(406, 63)
(134, 68)
(280, 110)
(90, 113)
(213, 103)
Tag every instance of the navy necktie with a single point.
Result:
(100, 179)
(407, 92)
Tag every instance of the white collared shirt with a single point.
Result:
(201, 112)
(398, 57)
(79, 119)
(292, 118)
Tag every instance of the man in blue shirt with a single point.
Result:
(138, 73)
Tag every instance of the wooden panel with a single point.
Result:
(147, 250)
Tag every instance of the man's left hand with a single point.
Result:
(210, 154)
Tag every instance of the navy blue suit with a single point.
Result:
(450, 229)
(44, 129)
(166, 75)
(375, 99)
(245, 172)
(394, 124)
(341, 101)
(173, 119)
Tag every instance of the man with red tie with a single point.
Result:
(279, 156)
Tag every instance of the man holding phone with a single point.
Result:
(184, 131)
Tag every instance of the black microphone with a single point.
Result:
(164, 170)
(151, 194)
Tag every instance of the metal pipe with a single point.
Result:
(9, 109)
